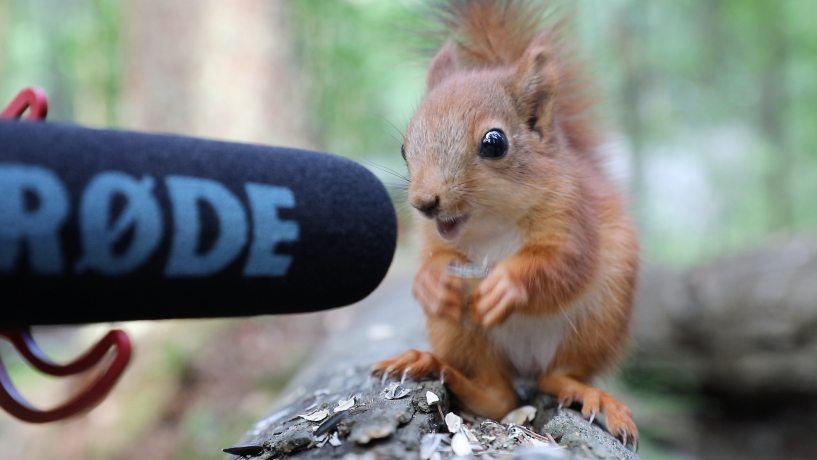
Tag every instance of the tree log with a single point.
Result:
(374, 427)
(745, 324)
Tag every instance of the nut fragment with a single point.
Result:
(453, 421)
(347, 404)
(335, 440)
(520, 415)
(395, 391)
(429, 444)
(461, 445)
(315, 416)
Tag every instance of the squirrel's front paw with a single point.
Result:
(439, 292)
(497, 296)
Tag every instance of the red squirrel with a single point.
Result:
(503, 168)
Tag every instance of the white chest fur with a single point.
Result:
(492, 242)
(530, 341)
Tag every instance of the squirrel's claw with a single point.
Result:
(413, 364)
(565, 401)
(618, 418)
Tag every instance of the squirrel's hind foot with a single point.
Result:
(594, 401)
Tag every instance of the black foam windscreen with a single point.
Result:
(104, 225)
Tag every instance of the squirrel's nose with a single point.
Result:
(428, 206)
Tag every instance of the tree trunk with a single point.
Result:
(213, 69)
(741, 325)
(388, 323)
(738, 337)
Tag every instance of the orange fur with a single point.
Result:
(557, 305)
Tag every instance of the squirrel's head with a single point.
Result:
(483, 141)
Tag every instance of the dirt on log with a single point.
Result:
(349, 415)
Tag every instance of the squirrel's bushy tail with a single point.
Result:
(490, 32)
(494, 33)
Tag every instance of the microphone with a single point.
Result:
(105, 225)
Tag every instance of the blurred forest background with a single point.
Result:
(711, 107)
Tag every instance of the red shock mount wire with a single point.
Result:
(35, 100)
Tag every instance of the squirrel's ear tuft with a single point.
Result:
(442, 66)
(536, 78)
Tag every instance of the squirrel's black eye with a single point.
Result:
(403, 151)
(494, 145)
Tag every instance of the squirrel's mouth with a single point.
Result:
(450, 227)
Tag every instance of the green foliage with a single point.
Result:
(716, 100)
(71, 48)
(365, 76)
(362, 78)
